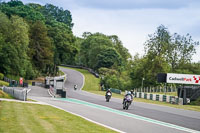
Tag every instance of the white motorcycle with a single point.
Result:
(108, 97)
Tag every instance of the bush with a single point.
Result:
(2, 83)
(1, 76)
(196, 102)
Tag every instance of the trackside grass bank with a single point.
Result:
(92, 85)
(31, 118)
(5, 95)
(3, 83)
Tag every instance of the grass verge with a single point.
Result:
(3, 83)
(29, 118)
(92, 85)
(5, 95)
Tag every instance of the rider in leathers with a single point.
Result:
(129, 93)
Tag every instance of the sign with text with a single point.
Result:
(183, 78)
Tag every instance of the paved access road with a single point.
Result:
(136, 119)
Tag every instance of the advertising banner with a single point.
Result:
(183, 78)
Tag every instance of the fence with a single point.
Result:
(157, 89)
(89, 69)
(18, 93)
(117, 91)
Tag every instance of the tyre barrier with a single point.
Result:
(16, 92)
(159, 97)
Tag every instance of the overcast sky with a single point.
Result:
(132, 20)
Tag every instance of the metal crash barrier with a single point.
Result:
(18, 93)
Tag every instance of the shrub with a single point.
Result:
(1, 76)
(196, 102)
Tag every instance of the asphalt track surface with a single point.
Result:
(179, 117)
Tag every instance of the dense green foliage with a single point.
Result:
(35, 39)
(1, 76)
(106, 55)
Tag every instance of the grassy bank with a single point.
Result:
(30, 118)
(3, 83)
(5, 95)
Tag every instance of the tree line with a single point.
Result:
(36, 39)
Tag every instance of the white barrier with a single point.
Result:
(17, 93)
(56, 85)
(159, 97)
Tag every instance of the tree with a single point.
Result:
(107, 58)
(165, 53)
(13, 47)
(64, 43)
(16, 7)
(20, 40)
(91, 47)
(40, 48)
(52, 12)
(157, 48)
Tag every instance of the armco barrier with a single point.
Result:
(89, 69)
(158, 97)
(17, 93)
(115, 91)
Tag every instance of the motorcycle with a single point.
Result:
(108, 96)
(127, 102)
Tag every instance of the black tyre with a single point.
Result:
(107, 99)
(124, 105)
(127, 105)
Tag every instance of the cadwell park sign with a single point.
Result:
(183, 78)
(189, 88)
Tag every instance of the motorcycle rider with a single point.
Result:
(75, 87)
(129, 93)
(108, 91)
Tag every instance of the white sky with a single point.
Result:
(132, 20)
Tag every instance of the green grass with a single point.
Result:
(60, 73)
(30, 118)
(3, 83)
(5, 95)
(92, 85)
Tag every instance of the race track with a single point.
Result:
(140, 117)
